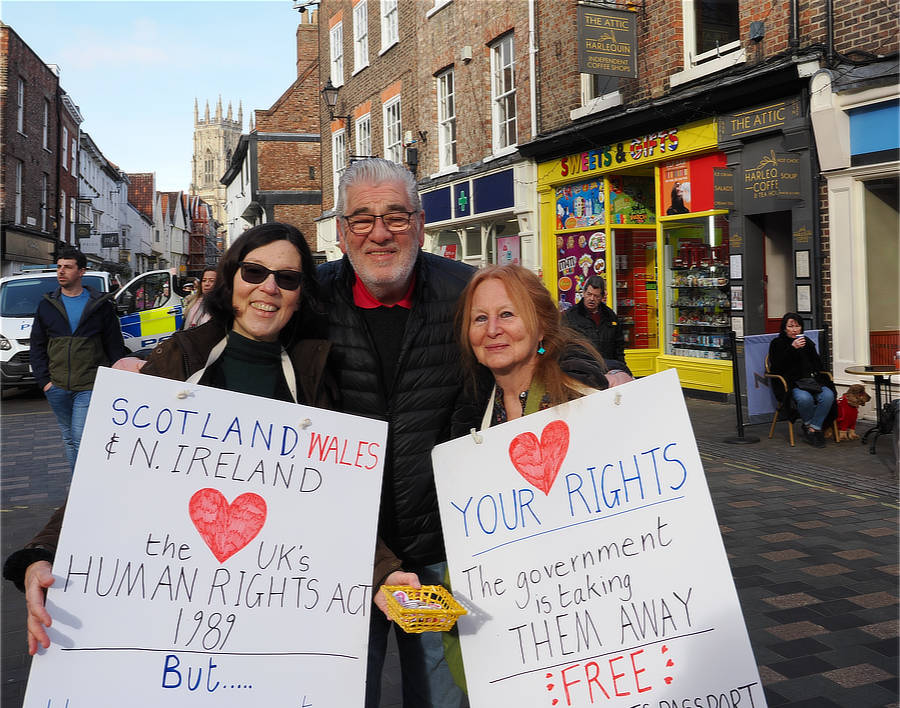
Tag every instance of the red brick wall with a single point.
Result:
(18, 60)
(284, 165)
(440, 39)
(396, 64)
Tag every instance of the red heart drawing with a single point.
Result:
(539, 462)
(227, 528)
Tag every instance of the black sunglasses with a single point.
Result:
(254, 273)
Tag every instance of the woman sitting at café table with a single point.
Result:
(793, 356)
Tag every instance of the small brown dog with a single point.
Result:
(848, 408)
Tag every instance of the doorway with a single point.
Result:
(778, 267)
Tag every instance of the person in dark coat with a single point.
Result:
(268, 269)
(596, 322)
(794, 356)
(75, 331)
(390, 321)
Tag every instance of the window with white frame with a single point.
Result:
(360, 35)
(338, 157)
(74, 156)
(594, 86)
(337, 54)
(363, 130)
(393, 141)
(45, 195)
(446, 113)
(20, 106)
(711, 38)
(72, 210)
(503, 93)
(390, 33)
(46, 127)
(715, 25)
(65, 148)
(19, 168)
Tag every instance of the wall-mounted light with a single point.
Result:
(330, 96)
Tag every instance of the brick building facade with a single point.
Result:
(274, 174)
(39, 163)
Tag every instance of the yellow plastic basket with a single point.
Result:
(438, 610)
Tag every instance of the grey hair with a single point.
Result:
(596, 282)
(377, 170)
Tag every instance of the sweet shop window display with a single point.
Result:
(697, 289)
(578, 256)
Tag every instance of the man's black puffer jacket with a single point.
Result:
(422, 401)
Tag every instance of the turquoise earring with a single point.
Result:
(541, 349)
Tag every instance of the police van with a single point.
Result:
(149, 307)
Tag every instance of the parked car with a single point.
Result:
(149, 307)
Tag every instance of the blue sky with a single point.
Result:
(134, 68)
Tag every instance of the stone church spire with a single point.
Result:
(196, 112)
(229, 112)
(241, 113)
(219, 110)
(206, 117)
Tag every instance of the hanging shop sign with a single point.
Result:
(723, 188)
(665, 144)
(109, 240)
(761, 119)
(769, 175)
(82, 231)
(607, 42)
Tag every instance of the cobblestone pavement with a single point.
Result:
(812, 538)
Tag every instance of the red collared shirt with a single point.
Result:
(364, 299)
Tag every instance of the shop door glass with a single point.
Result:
(882, 258)
(697, 298)
(634, 287)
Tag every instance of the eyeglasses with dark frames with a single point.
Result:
(395, 222)
(254, 273)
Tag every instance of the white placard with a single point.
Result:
(735, 268)
(583, 541)
(217, 550)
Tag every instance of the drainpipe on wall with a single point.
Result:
(795, 24)
(829, 33)
(532, 52)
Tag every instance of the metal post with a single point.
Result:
(740, 439)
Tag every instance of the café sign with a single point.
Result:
(607, 42)
(774, 176)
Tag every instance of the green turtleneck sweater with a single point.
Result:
(248, 366)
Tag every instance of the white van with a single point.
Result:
(149, 306)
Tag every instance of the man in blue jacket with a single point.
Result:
(75, 330)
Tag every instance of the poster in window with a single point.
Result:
(577, 259)
(801, 259)
(509, 250)
(579, 205)
(804, 298)
(631, 200)
(737, 297)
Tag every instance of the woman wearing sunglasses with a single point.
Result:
(254, 343)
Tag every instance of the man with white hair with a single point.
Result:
(390, 311)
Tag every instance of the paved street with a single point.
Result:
(812, 538)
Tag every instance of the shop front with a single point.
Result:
(484, 218)
(650, 215)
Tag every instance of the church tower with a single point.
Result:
(215, 140)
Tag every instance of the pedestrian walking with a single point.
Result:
(75, 331)
(390, 308)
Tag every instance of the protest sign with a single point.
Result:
(217, 549)
(583, 542)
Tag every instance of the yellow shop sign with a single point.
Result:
(665, 144)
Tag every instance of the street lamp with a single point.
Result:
(330, 95)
